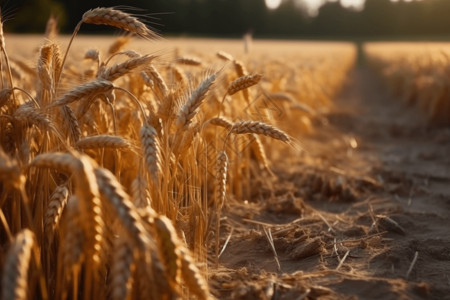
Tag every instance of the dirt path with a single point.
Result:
(363, 213)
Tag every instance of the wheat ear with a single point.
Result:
(5, 55)
(71, 123)
(225, 56)
(116, 18)
(240, 68)
(262, 128)
(242, 83)
(51, 28)
(118, 44)
(190, 61)
(119, 202)
(139, 192)
(15, 269)
(169, 247)
(179, 76)
(103, 141)
(192, 275)
(219, 199)
(159, 83)
(5, 95)
(121, 270)
(259, 152)
(62, 162)
(90, 89)
(28, 114)
(56, 205)
(10, 172)
(190, 108)
(152, 152)
(70, 252)
(220, 121)
(126, 67)
(88, 195)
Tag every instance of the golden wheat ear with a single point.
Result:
(114, 17)
(15, 269)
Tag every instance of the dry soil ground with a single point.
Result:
(362, 214)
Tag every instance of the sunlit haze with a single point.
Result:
(273, 4)
(314, 5)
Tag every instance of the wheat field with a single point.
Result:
(116, 163)
(418, 73)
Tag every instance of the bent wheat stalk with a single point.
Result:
(112, 17)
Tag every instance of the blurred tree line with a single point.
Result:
(232, 18)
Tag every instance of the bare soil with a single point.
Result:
(362, 213)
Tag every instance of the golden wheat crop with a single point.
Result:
(417, 73)
(114, 170)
